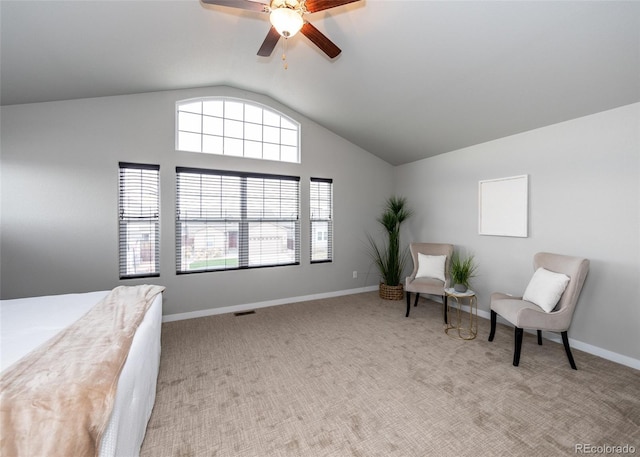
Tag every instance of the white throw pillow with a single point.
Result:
(546, 288)
(431, 266)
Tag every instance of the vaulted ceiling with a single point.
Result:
(415, 78)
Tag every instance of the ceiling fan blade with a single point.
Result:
(240, 4)
(269, 42)
(320, 40)
(319, 5)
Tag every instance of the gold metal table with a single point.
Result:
(460, 327)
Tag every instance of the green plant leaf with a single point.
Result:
(463, 269)
(389, 258)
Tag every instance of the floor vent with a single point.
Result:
(244, 313)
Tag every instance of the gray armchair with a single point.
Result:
(526, 314)
(428, 285)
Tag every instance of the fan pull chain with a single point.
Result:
(284, 54)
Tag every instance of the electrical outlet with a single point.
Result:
(355, 274)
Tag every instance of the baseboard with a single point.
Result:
(580, 345)
(263, 304)
(595, 350)
(588, 348)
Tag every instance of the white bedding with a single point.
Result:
(26, 323)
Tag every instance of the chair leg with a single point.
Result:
(565, 341)
(494, 315)
(540, 337)
(518, 345)
(416, 302)
(408, 304)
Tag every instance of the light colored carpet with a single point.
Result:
(351, 376)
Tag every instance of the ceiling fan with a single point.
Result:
(286, 18)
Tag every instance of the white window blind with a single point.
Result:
(139, 220)
(321, 214)
(235, 127)
(230, 220)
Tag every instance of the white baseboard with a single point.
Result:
(594, 350)
(582, 346)
(263, 304)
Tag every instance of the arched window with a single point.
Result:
(234, 127)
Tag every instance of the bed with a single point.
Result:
(29, 324)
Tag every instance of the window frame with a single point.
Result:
(243, 220)
(149, 186)
(255, 135)
(313, 240)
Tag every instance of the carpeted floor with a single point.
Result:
(351, 376)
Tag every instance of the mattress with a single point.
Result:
(27, 323)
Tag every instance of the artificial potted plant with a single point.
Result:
(462, 270)
(389, 258)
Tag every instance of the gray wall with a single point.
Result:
(584, 200)
(59, 200)
(59, 168)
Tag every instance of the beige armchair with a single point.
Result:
(429, 284)
(523, 313)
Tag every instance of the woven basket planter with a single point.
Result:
(391, 292)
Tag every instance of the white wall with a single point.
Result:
(584, 200)
(59, 200)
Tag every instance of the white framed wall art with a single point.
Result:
(503, 206)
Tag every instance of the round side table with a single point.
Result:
(457, 327)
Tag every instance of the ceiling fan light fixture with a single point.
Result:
(286, 21)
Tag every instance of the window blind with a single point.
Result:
(321, 214)
(230, 220)
(139, 220)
